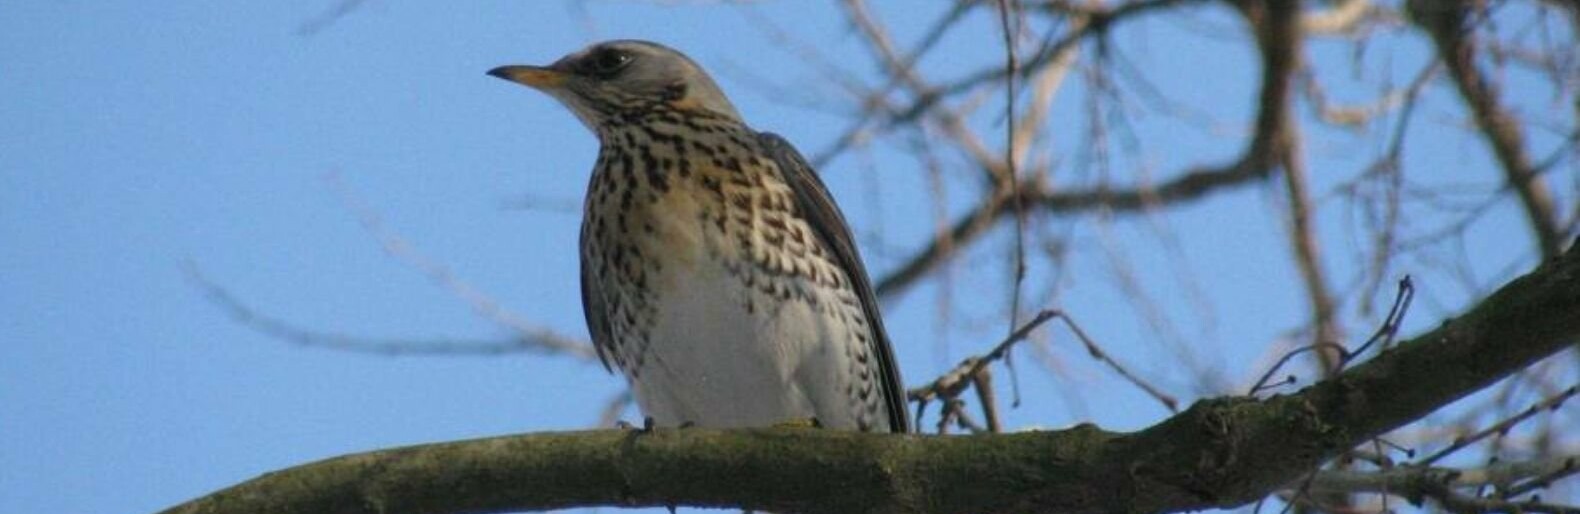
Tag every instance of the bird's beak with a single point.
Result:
(537, 77)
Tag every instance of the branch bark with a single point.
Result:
(1221, 452)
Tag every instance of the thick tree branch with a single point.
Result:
(1220, 453)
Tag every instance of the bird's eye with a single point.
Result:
(608, 62)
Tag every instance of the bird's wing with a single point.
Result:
(593, 309)
(818, 207)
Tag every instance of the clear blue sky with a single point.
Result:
(135, 136)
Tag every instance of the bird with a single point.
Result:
(717, 274)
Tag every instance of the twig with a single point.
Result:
(954, 382)
(1417, 483)
(1009, 11)
(1460, 503)
(285, 331)
(1097, 353)
(1256, 161)
(1319, 345)
(1390, 325)
(1102, 20)
(533, 202)
(1567, 466)
(1389, 166)
(858, 130)
(1446, 22)
(481, 303)
(1551, 403)
(1385, 333)
(339, 10)
(982, 382)
(528, 338)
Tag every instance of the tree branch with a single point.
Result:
(1448, 23)
(1222, 452)
(1453, 489)
(1261, 155)
(1418, 480)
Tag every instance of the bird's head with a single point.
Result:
(606, 79)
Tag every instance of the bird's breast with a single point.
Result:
(724, 306)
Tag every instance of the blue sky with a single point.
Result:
(137, 136)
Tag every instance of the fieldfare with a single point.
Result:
(716, 272)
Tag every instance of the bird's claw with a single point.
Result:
(647, 425)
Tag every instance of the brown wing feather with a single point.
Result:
(818, 207)
(593, 310)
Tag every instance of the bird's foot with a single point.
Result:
(647, 425)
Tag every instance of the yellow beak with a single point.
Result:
(537, 77)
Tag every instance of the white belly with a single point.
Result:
(713, 362)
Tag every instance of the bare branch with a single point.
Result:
(481, 303)
(528, 337)
(1261, 155)
(1445, 484)
(1502, 427)
(951, 384)
(1449, 24)
(340, 9)
(286, 331)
